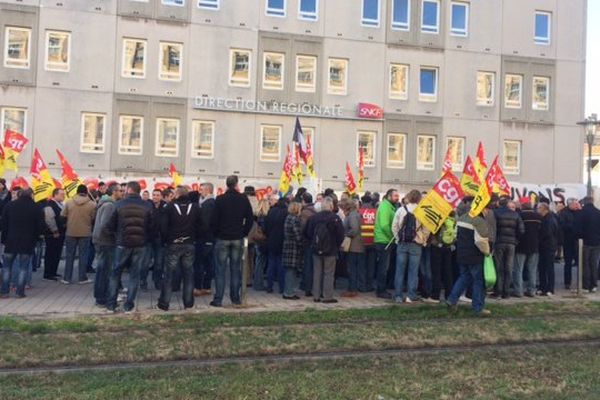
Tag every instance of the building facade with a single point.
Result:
(125, 87)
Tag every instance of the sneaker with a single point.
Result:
(549, 294)
(594, 290)
(110, 311)
(99, 305)
(384, 295)
(407, 300)
(127, 312)
(330, 301)
(464, 299)
(86, 282)
(430, 300)
(215, 304)
(484, 313)
(64, 282)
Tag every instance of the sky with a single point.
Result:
(593, 59)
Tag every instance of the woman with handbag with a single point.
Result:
(352, 245)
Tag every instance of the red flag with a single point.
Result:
(14, 144)
(350, 183)
(91, 183)
(161, 186)
(481, 155)
(143, 184)
(19, 181)
(177, 179)
(447, 162)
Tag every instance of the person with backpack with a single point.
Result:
(410, 238)
(325, 232)
(442, 249)
(384, 238)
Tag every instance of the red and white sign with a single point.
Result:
(369, 111)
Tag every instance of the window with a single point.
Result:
(430, 16)
(203, 140)
(131, 133)
(460, 19)
(511, 158)
(13, 119)
(134, 58)
(179, 3)
(456, 146)
(270, 143)
(513, 91)
(273, 70)
(542, 27)
(167, 137)
(396, 150)
(306, 71)
(276, 8)
(425, 153)
(428, 84)
(17, 49)
(307, 9)
(485, 88)
(338, 76)
(366, 141)
(370, 13)
(399, 81)
(541, 93)
(401, 15)
(239, 67)
(58, 45)
(209, 4)
(92, 133)
(169, 59)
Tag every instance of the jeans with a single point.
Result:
(52, 257)
(133, 257)
(571, 253)
(80, 244)
(425, 270)
(366, 275)
(21, 263)
(441, 271)
(183, 255)
(356, 264)
(229, 256)
(470, 276)
(591, 256)
(204, 265)
(308, 270)
(155, 261)
(290, 282)
(546, 268)
(382, 263)
(275, 269)
(258, 280)
(105, 257)
(324, 271)
(529, 261)
(408, 255)
(504, 258)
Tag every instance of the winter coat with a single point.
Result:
(529, 242)
(22, 224)
(206, 211)
(180, 222)
(232, 218)
(568, 223)
(327, 217)
(79, 212)
(292, 253)
(472, 242)
(509, 226)
(549, 233)
(274, 228)
(588, 225)
(383, 222)
(106, 207)
(132, 222)
(352, 230)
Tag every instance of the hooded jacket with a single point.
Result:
(79, 212)
(383, 222)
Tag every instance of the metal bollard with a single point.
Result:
(243, 294)
(580, 269)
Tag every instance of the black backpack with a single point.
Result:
(323, 240)
(408, 232)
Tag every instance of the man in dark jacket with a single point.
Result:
(568, 220)
(527, 251)
(329, 224)
(131, 223)
(231, 222)
(180, 226)
(55, 234)
(204, 266)
(156, 252)
(22, 224)
(509, 226)
(274, 223)
(588, 228)
(549, 234)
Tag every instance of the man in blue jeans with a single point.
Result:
(133, 226)
(231, 222)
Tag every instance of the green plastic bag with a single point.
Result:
(489, 272)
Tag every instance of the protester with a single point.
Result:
(588, 223)
(274, 228)
(366, 276)
(292, 253)
(568, 223)
(355, 256)
(384, 237)
(231, 223)
(442, 249)
(146, 195)
(257, 233)
(55, 234)
(132, 224)
(527, 251)
(204, 265)
(79, 213)
(155, 252)
(549, 239)
(308, 210)
(249, 260)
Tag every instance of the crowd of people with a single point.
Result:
(184, 240)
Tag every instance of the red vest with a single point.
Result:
(367, 224)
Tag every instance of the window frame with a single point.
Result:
(276, 12)
(400, 26)
(214, 5)
(367, 22)
(426, 97)
(124, 55)
(164, 76)
(457, 166)
(434, 30)
(534, 105)
(120, 147)
(7, 59)
(171, 3)
(506, 101)
(368, 163)
(308, 16)
(542, 41)
(505, 169)
(460, 32)
(400, 95)
(157, 138)
(81, 142)
(426, 167)
(488, 102)
(262, 134)
(333, 90)
(270, 86)
(3, 118)
(230, 79)
(301, 87)
(48, 64)
(198, 123)
(395, 164)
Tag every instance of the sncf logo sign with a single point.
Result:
(370, 111)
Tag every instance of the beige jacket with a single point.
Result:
(79, 212)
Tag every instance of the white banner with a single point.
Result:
(553, 192)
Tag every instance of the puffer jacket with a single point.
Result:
(132, 222)
(509, 226)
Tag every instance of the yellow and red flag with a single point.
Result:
(480, 163)
(361, 169)
(469, 182)
(70, 179)
(447, 167)
(484, 195)
(350, 183)
(437, 205)
(298, 174)
(286, 173)
(14, 144)
(19, 182)
(177, 179)
(310, 167)
(42, 182)
(501, 185)
(1, 161)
